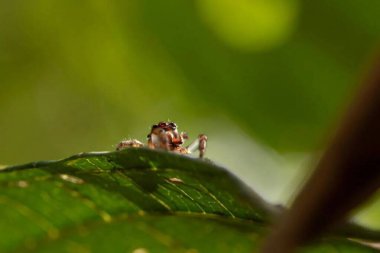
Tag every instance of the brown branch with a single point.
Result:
(346, 176)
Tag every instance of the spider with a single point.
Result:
(165, 135)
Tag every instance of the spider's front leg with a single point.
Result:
(128, 144)
(199, 144)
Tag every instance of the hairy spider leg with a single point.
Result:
(199, 144)
(129, 143)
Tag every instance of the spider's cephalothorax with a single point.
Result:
(165, 135)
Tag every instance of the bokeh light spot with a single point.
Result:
(250, 25)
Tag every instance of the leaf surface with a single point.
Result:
(135, 200)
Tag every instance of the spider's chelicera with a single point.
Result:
(165, 135)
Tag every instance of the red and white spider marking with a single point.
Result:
(165, 135)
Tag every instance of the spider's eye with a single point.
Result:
(173, 125)
(154, 126)
(162, 124)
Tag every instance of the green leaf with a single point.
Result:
(135, 200)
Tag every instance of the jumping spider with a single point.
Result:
(165, 135)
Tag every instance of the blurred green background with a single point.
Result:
(266, 80)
